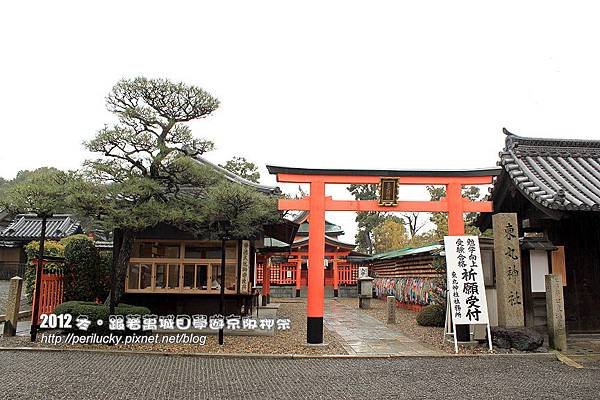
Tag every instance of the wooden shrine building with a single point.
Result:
(554, 187)
(172, 271)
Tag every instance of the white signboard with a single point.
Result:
(363, 272)
(466, 290)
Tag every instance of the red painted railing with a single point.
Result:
(285, 274)
(51, 293)
(347, 274)
(281, 274)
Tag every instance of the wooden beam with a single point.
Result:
(373, 205)
(402, 180)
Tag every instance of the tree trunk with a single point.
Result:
(123, 263)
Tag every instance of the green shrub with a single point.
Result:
(432, 315)
(80, 236)
(84, 274)
(87, 271)
(97, 312)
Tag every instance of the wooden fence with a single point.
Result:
(10, 269)
(51, 293)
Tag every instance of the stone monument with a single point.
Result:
(507, 258)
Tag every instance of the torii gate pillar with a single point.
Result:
(316, 270)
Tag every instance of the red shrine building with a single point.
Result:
(287, 265)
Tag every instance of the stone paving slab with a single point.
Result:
(365, 335)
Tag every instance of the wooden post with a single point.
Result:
(316, 255)
(13, 303)
(336, 280)
(298, 276)
(39, 270)
(266, 283)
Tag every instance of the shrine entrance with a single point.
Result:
(316, 203)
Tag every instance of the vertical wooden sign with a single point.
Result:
(245, 267)
(507, 257)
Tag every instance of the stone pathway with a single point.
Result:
(364, 335)
(584, 349)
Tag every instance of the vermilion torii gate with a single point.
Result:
(317, 203)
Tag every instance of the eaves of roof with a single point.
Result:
(554, 174)
(29, 227)
(405, 252)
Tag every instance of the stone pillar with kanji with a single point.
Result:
(555, 311)
(507, 258)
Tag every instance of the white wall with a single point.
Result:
(539, 269)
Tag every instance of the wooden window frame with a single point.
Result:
(182, 262)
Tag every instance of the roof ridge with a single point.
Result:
(512, 140)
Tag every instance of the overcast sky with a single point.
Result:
(344, 84)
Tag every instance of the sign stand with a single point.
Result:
(466, 302)
(449, 328)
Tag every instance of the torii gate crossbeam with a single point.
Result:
(317, 203)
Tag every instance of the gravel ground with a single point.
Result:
(292, 341)
(406, 324)
(85, 375)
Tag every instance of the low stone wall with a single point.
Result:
(348, 291)
(290, 291)
(283, 291)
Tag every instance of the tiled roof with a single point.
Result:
(328, 239)
(405, 252)
(270, 242)
(302, 219)
(238, 179)
(558, 174)
(29, 226)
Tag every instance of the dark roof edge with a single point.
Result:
(327, 239)
(513, 138)
(236, 178)
(495, 171)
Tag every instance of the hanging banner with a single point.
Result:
(466, 290)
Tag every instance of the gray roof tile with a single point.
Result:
(29, 226)
(558, 174)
